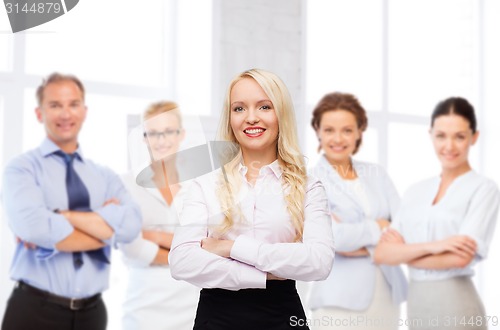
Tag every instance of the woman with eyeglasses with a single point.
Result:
(444, 227)
(154, 300)
(253, 227)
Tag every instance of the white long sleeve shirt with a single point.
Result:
(264, 238)
(469, 207)
(152, 295)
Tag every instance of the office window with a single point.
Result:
(6, 53)
(411, 155)
(164, 44)
(344, 50)
(106, 128)
(6, 39)
(368, 151)
(405, 57)
(194, 60)
(33, 131)
(433, 53)
(128, 48)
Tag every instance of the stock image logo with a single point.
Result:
(25, 14)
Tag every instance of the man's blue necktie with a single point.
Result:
(78, 200)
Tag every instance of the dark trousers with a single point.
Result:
(26, 311)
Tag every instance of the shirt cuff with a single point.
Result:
(374, 230)
(371, 251)
(253, 278)
(140, 253)
(481, 250)
(112, 214)
(111, 241)
(148, 252)
(246, 250)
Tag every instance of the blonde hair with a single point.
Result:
(289, 156)
(162, 107)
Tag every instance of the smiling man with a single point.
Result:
(66, 212)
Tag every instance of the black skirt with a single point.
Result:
(278, 307)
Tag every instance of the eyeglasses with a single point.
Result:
(168, 133)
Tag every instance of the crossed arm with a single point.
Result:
(250, 260)
(37, 226)
(79, 239)
(90, 229)
(163, 240)
(453, 252)
(223, 248)
(361, 251)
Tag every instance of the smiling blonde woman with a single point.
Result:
(261, 222)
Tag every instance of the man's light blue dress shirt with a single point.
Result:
(33, 187)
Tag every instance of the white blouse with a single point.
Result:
(152, 295)
(469, 207)
(156, 215)
(358, 189)
(263, 240)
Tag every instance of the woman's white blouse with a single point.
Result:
(264, 240)
(156, 215)
(152, 295)
(359, 192)
(469, 207)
